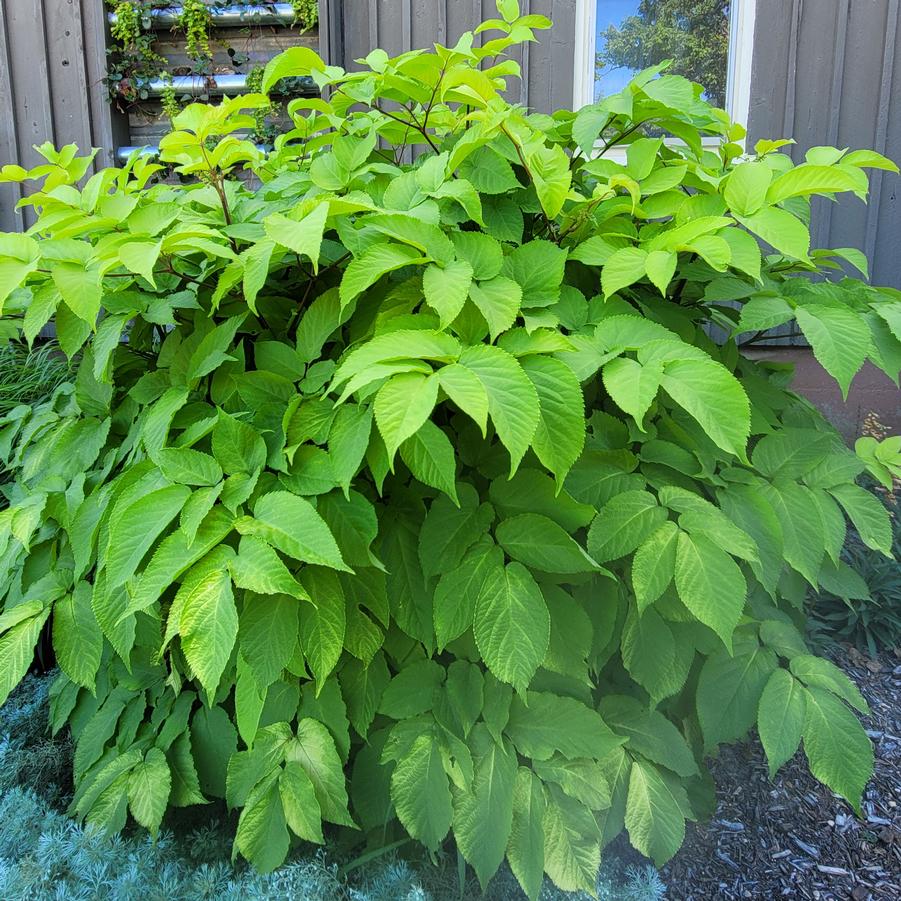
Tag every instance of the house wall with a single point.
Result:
(825, 72)
(400, 25)
(52, 64)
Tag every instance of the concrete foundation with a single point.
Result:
(872, 399)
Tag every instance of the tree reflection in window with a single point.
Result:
(635, 34)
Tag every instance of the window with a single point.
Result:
(709, 41)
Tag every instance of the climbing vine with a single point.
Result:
(134, 63)
(306, 13)
(196, 22)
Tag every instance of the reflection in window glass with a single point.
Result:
(635, 34)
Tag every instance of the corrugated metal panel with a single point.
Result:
(52, 61)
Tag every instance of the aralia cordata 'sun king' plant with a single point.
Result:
(416, 498)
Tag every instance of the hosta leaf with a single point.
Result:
(512, 625)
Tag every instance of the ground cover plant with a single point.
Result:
(401, 500)
(45, 854)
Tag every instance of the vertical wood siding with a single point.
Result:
(400, 25)
(52, 63)
(826, 72)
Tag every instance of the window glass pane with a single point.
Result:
(635, 34)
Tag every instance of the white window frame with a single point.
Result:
(742, 15)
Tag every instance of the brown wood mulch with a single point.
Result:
(792, 838)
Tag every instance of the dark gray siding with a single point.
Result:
(400, 25)
(52, 63)
(825, 72)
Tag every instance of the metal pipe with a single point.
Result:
(226, 16)
(213, 85)
(198, 84)
(152, 150)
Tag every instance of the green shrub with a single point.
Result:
(415, 498)
(29, 376)
(864, 606)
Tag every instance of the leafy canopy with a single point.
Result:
(414, 498)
